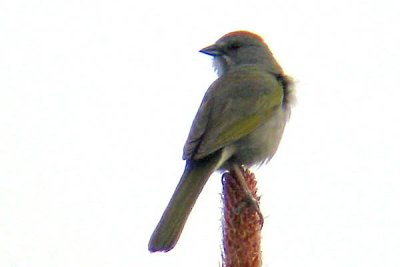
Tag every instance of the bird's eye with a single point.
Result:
(233, 46)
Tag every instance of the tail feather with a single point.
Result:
(173, 220)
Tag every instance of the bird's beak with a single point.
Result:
(212, 50)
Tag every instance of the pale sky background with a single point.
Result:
(97, 98)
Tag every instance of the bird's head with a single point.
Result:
(241, 47)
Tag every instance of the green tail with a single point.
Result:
(173, 220)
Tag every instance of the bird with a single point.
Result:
(239, 124)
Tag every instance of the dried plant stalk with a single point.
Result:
(241, 224)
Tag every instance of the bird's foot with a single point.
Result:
(250, 202)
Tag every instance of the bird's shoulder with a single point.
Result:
(243, 81)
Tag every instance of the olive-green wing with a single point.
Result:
(234, 105)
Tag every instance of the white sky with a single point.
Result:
(96, 101)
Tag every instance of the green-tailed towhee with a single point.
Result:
(239, 123)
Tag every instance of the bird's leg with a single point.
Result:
(249, 199)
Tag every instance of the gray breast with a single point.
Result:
(260, 145)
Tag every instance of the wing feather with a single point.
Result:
(234, 106)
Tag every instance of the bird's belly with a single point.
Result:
(261, 145)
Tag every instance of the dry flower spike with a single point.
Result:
(241, 227)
